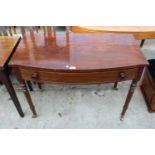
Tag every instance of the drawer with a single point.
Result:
(41, 75)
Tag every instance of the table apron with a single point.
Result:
(78, 77)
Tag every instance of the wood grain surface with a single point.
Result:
(7, 47)
(140, 32)
(77, 52)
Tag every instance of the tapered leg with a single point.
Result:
(28, 98)
(129, 96)
(29, 85)
(142, 43)
(8, 84)
(115, 86)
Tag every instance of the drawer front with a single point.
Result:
(39, 75)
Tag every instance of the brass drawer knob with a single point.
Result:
(122, 75)
(35, 76)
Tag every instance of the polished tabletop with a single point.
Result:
(122, 29)
(7, 47)
(76, 51)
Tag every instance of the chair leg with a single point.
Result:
(37, 28)
(29, 84)
(115, 86)
(13, 29)
(142, 43)
(39, 86)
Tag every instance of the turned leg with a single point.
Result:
(142, 43)
(115, 86)
(28, 98)
(29, 85)
(129, 96)
(8, 84)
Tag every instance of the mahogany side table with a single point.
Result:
(75, 58)
(8, 46)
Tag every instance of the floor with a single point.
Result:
(70, 106)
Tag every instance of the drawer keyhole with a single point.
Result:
(35, 76)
